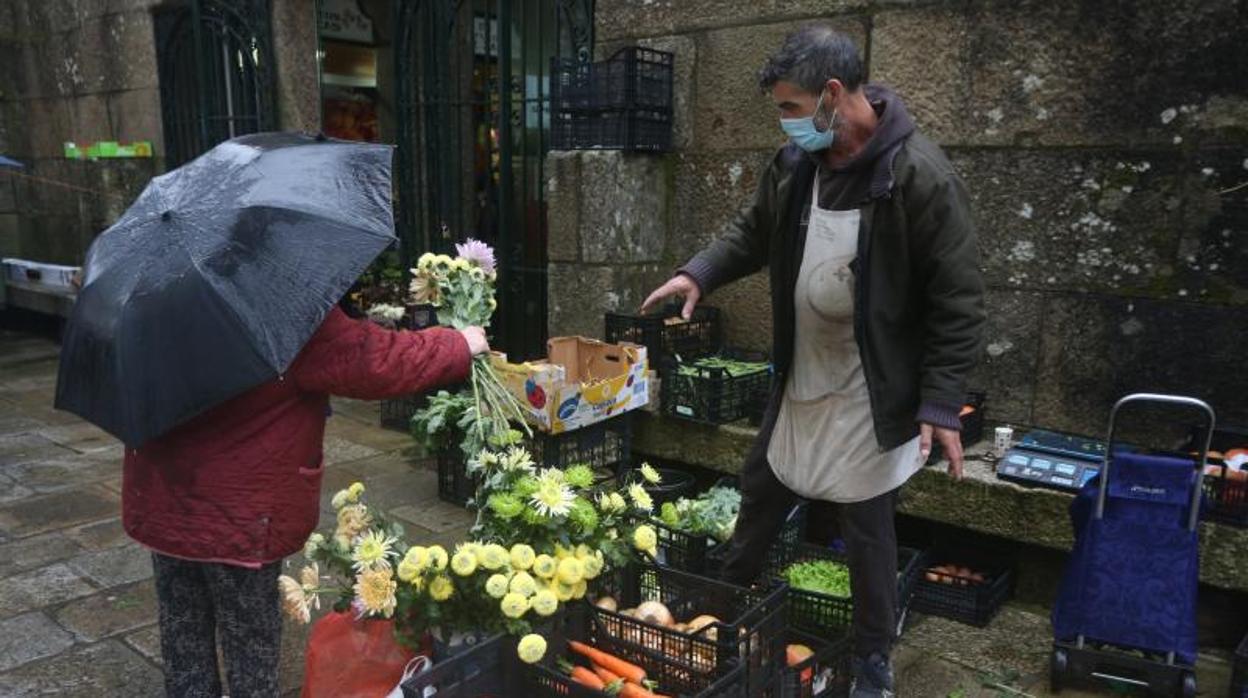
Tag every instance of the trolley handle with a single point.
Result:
(1158, 398)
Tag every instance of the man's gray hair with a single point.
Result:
(810, 57)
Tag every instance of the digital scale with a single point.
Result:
(1051, 459)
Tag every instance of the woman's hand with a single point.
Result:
(477, 343)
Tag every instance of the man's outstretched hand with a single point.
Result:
(680, 285)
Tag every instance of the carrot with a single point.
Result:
(585, 677)
(628, 671)
(606, 676)
(581, 675)
(632, 690)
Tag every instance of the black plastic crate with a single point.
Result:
(665, 333)
(396, 413)
(605, 446)
(958, 597)
(791, 535)
(751, 631)
(480, 671)
(1227, 497)
(827, 615)
(455, 484)
(825, 674)
(1239, 671)
(632, 78)
(712, 395)
(673, 677)
(972, 426)
(617, 129)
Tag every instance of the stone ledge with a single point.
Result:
(980, 502)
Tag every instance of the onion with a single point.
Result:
(607, 603)
(656, 613)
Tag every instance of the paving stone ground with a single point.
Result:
(77, 607)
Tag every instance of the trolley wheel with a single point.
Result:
(1188, 688)
(1058, 663)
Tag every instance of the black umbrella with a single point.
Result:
(216, 277)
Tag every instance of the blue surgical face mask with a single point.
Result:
(803, 132)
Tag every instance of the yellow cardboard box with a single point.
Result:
(581, 381)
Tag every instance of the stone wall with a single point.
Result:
(1103, 144)
(82, 71)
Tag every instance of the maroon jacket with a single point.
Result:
(241, 483)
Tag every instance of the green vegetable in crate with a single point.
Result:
(713, 513)
(820, 576)
(733, 368)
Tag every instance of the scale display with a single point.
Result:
(1052, 459)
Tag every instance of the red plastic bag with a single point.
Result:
(349, 658)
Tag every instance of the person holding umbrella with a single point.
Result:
(208, 338)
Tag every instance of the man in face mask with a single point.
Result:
(877, 312)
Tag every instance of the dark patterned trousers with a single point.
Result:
(201, 601)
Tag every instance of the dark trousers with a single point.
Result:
(200, 601)
(870, 543)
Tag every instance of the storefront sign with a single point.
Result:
(343, 19)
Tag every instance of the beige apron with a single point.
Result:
(824, 445)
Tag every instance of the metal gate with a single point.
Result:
(215, 61)
(473, 131)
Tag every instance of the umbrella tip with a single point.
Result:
(166, 215)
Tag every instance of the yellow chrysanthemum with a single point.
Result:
(570, 570)
(563, 591)
(418, 557)
(514, 605)
(641, 498)
(441, 588)
(579, 590)
(645, 538)
(583, 551)
(437, 558)
(464, 563)
(375, 590)
(522, 556)
(339, 499)
(531, 648)
(593, 566)
(544, 566)
(354, 490)
(545, 602)
(493, 556)
(524, 584)
(407, 571)
(497, 585)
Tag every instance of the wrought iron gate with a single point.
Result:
(215, 60)
(473, 131)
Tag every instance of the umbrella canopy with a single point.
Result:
(212, 282)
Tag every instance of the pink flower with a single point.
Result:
(478, 253)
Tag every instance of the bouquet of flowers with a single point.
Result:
(462, 289)
(542, 540)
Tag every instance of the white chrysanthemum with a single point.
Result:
(552, 498)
